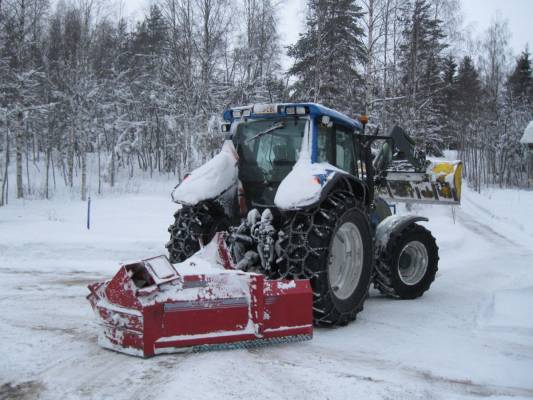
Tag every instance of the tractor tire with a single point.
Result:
(194, 225)
(408, 265)
(332, 246)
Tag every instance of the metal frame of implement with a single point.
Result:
(149, 308)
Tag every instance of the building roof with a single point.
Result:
(528, 134)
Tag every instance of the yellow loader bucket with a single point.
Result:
(441, 183)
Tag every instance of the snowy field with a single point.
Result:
(470, 336)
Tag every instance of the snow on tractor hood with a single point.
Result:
(303, 185)
(211, 179)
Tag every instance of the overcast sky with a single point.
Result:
(477, 15)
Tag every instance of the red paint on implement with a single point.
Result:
(142, 314)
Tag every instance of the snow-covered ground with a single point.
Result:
(470, 336)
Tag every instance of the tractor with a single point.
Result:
(303, 191)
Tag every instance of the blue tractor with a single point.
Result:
(300, 190)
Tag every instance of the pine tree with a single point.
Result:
(327, 55)
(469, 118)
(447, 98)
(469, 90)
(421, 65)
(520, 82)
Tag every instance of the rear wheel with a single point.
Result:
(194, 225)
(408, 265)
(332, 246)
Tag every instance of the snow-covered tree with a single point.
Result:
(329, 55)
(421, 66)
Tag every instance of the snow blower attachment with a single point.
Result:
(152, 307)
(404, 173)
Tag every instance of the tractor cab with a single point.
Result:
(271, 138)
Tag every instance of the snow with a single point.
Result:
(528, 134)
(211, 179)
(248, 330)
(435, 172)
(470, 336)
(286, 285)
(303, 185)
(161, 267)
(104, 342)
(223, 285)
(206, 261)
(387, 226)
(117, 309)
(503, 314)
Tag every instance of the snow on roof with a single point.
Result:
(528, 134)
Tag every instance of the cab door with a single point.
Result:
(336, 146)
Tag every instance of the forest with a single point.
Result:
(145, 97)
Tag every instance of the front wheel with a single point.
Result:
(407, 267)
(331, 245)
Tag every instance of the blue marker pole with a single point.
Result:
(89, 212)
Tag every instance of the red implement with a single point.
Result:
(152, 307)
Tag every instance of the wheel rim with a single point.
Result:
(413, 263)
(346, 260)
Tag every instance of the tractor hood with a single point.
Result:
(211, 179)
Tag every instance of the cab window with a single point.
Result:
(336, 146)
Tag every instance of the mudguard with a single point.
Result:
(393, 225)
(309, 183)
(303, 186)
(212, 179)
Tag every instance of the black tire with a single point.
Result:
(192, 225)
(389, 278)
(306, 252)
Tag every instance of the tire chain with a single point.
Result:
(191, 225)
(295, 249)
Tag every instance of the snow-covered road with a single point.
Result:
(470, 336)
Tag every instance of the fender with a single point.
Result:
(391, 226)
(216, 177)
(309, 183)
(352, 184)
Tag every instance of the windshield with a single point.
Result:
(268, 149)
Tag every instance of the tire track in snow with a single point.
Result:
(475, 224)
(320, 358)
(484, 230)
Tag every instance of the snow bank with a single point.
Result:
(508, 212)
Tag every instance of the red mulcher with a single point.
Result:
(152, 307)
